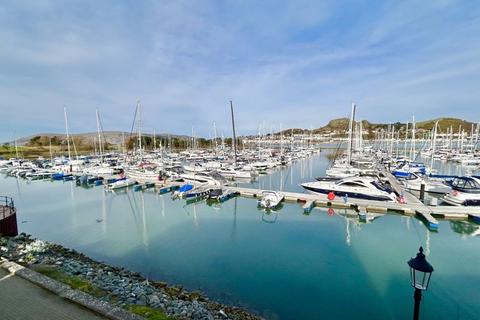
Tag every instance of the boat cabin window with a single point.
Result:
(353, 184)
(465, 183)
(471, 184)
(459, 183)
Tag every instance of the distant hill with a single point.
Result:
(112, 137)
(341, 125)
(336, 126)
(444, 123)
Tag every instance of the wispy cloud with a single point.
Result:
(299, 63)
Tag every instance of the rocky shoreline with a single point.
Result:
(122, 287)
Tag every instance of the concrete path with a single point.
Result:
(23, 300)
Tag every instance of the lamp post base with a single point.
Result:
(417, 296)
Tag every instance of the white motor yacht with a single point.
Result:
(367, 187)
(465, 192)
(414, 182)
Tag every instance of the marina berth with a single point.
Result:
(367, 188)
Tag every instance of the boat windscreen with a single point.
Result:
(379, 186)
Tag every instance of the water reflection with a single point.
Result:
(464, 227)
(234, 251)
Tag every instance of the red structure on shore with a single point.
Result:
(8, 217)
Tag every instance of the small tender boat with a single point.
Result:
(465, 192)
(405, 168)
(414, 182)
(120, 184)
(270, 199)
(231, 172)
(221, 195)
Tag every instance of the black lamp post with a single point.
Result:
(420, 273)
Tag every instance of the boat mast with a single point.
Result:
(434, 143)
(234, 142)
(215, 136)
(139, 128)
(350, 135)
(100, 151)
(123, 145)
(50, 149)
(154, 141)
(281, 139)
(68, 135)
(406, 138)
(412, 155)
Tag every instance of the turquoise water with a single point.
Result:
(284, 266)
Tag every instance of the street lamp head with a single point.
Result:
(420, 271)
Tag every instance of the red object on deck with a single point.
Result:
(331, 196)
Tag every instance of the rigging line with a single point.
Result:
(337, 153)
(419, 152)
(133, 123)
(134, 119)
(101, 129)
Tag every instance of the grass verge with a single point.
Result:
(73, 281)
(148, 312)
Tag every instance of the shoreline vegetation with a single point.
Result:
(154, 300)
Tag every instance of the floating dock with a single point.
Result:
(421, 209)
(412, 208)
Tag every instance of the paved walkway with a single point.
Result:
(23, 300)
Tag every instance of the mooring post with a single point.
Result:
(422, 191)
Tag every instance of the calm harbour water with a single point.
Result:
(284, 266)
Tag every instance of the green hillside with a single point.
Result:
(340, 126)
(445, 123)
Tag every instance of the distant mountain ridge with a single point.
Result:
(337, 126)
(341, 125)
(444, 123)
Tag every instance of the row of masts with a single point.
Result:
(462, 141)
(137, 126)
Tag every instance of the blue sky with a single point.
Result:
(296, 63)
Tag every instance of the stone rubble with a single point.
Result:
(123, 287)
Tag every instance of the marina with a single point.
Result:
(240, 160)
(145, 230)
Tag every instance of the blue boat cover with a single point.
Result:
(185, 188)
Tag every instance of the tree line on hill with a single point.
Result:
(82, 143)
